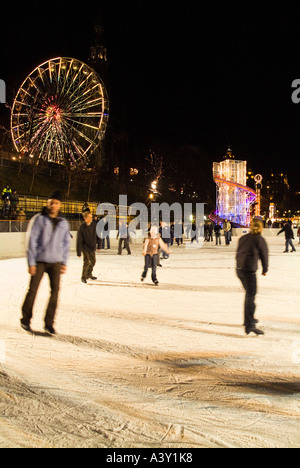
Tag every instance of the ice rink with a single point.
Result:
(136, 365)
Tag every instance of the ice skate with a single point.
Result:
(26, 327)
(254, 330)
(50, 330)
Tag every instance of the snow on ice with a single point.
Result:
(138, 366)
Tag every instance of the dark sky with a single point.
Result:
(186, 74)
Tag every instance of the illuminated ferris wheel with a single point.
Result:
(60, 113)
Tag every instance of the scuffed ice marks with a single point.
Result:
(137, 367)
(44, 420)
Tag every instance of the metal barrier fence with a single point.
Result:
(21, 226)
(36, 204)
(13, 226)
(72, 210)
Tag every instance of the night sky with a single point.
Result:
(185, 74)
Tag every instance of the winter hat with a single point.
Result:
(57, 195)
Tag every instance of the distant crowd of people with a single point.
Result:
(211, 229)
(10, 205)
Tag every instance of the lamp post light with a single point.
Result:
(258, 185)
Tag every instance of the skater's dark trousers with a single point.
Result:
(54, 272)
(150, 262)
(289, 243)
(89, 261)
(249, 282)
(126, 246)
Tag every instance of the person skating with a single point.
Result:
(227, 231)
(251, 249)
(289, 237)
(48, 250)
(218, 229)
(210, 232)
(165, 233)
(105, 234)
(150, 252)
(123, 236)
(86, 245)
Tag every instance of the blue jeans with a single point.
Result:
(228, 237)
(289, 242)
(150, 262)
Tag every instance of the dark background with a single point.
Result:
(183, 74)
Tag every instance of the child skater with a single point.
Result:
(150, 253)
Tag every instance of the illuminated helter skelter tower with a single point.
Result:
(234, 198)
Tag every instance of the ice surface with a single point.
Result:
(139, 366)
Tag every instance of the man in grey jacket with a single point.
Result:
(48, 251)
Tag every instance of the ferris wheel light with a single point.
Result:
(60, 112)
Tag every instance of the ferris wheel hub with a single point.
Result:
(54, 112)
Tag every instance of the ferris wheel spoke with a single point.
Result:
(88, 90)
(83, 124)
(34, 84)
(85, 137)
(27, 105)
(40, 148)
(78, 148)
(58, 75)
(81, 85)
(41, 75)
(88, 104)
(62, 91)
(75, 78)
(90, 115)
(26, 92)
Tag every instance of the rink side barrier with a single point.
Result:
(12, 244)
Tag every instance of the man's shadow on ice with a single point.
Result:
(167, 287)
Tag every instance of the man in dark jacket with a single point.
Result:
(289, 236)
(86, 244)
(218, 229)
(251, 249)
